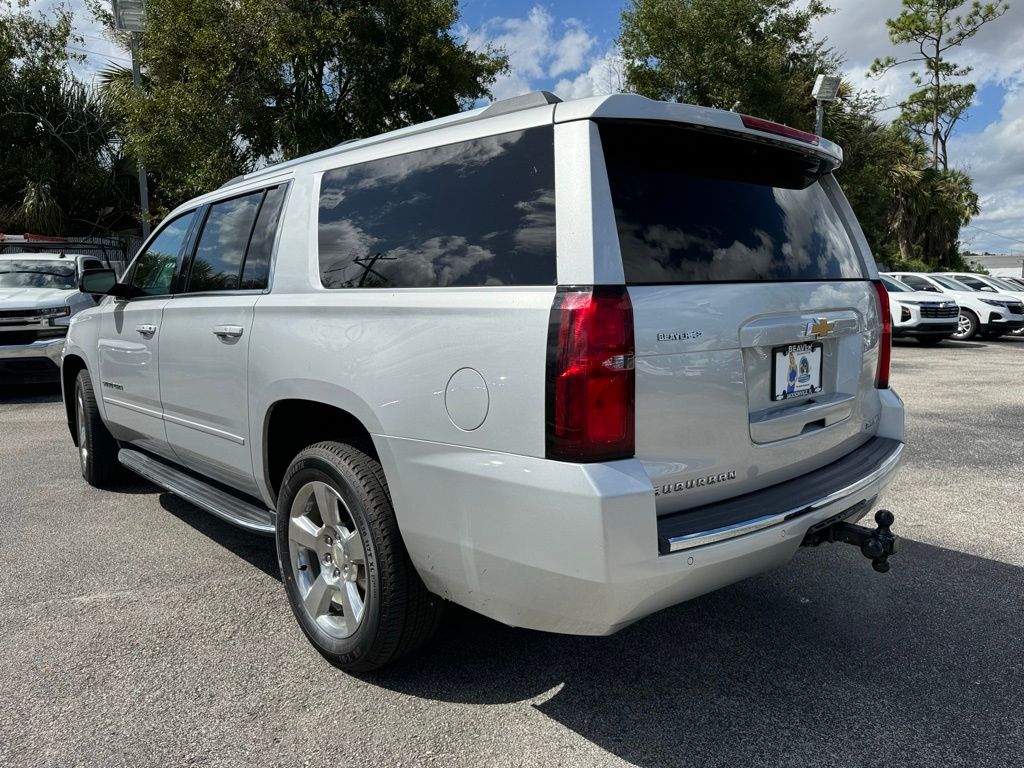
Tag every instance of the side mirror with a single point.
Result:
(101, 282)
(988, 289)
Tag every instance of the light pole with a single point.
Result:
(130, 16)
(826, 88)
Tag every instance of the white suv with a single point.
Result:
(985, 314)
(920, 314)
(565, 364)
(992, 284)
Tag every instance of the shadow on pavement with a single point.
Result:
(820, 663)
(22, 393)
(257, 550)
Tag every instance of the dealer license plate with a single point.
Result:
(796, 371)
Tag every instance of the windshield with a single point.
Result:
(893, 287)
(953, 285)
(37, 274)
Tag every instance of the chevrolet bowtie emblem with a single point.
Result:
(820, 328)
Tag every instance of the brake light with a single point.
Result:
(591, 377)
(885, 340)
(767, 126)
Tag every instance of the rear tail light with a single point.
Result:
(591, 380)
(885, 339)
(767, 126)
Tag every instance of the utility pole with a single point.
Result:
(143, 181)
(130, 16)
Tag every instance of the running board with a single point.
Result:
(215, 501)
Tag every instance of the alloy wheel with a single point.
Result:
(83, 449)
(963, 326)
(328, 559)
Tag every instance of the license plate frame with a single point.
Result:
(813, 355)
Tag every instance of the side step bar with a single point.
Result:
(215, 501)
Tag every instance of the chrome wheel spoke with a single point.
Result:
(351, 604)
(318, 599)
(305, 533)
(353, 544)
(328, 559)
(327, 501)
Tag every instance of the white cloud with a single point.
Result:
(538, 47)
(605, 75)
(992, 154)
(995, 159)
(857, 30)
(98, 50)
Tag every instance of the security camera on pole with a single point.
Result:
(130, 16)
(826, 88)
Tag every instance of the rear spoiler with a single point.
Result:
(624, 106)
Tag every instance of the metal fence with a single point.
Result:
(116, 251)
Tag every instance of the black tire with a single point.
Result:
(97, 448)
(930, 341)
(970, 319)
(398, 614)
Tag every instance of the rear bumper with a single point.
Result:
(788, 502)
(574, 548)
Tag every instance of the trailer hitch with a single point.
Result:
(877, 545)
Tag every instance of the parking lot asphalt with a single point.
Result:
(137, 630)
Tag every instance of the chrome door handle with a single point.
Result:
(146, 330)
(227, 331)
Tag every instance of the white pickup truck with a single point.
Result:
(38, 296)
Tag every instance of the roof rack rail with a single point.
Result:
(501, 107)
(523, 101)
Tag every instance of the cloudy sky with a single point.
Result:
(568, 47)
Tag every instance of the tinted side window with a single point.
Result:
(480, 212)
(218, 259)
(261, 246)
(154, 268)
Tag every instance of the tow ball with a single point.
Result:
(877, 545)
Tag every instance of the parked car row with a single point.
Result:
(986, 306)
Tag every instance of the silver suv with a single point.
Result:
(564, 364)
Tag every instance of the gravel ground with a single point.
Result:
(137, 630)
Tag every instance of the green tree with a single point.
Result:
(934, 28)
(759, 54)
(61, 163)
(928, 207)
(232, 85)
(870, 149)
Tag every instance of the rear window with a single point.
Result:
(476, 213)
(694, 207)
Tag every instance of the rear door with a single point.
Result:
(756, 323)
(129, 341)
(207, 328)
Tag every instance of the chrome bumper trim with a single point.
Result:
(702, 538)
(51, 348)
